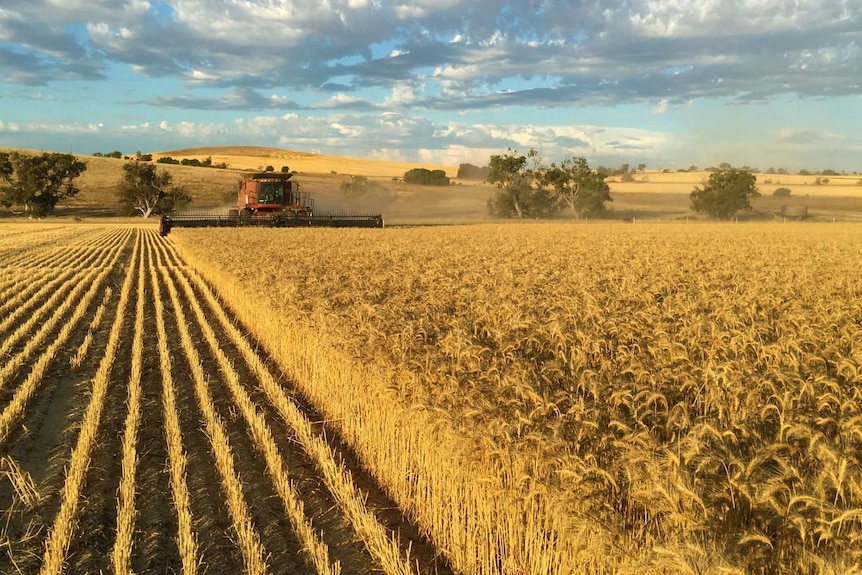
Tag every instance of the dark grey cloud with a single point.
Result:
(24, 69)
(32, 69)
(237, 99)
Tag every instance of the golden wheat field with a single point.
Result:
(142, 431)
(595, 398)
(492, 399)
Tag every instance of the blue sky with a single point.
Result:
(668, 83)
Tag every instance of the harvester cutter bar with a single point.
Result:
(187, 220)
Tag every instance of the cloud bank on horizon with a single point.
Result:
(668, 83)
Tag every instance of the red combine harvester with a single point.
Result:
(269, 199)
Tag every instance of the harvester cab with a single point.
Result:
(271, 192)
(269, 199)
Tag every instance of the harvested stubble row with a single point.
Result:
(61, 532)
(186, 541)
(201, 388)
(316, 549)
(581, 398)
(79, 290)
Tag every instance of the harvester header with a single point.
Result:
(269, 199)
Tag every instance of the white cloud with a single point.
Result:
(338, 101)
(403, 93)
(806, 136)
(346, 131)
(59, 128)
(410, 9)
(704, 18)
(202, 76)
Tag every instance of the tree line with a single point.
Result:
(526, 188)
(34, 184)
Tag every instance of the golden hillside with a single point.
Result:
(257, 158)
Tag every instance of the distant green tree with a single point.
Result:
(513, 176)
(426, 177)
(359, 186)
(471, 172)
(146, 190)
(726, 192)
(781, 192)
(37, 183)
(577, 188)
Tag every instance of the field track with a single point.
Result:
(141, 431)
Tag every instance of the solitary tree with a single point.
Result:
(471, 172)
(424, 176)
(148, 191)
(577, 188)
(359, 186)
(37, 183)
(513, 176)
(726, 192)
